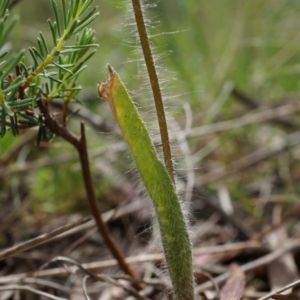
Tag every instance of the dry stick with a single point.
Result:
(41, 239)
(46, 284)
(81, 147)
(15, 287)
(254, 104)
(254, 158)
(262, 261)
(139, 18)
(278, 291)
(245, 99)
(210, 201)
(263, 153)
(140, 259)
(46, 162)
(86, 172)
(266, 115)
(93, 119)
(90, 226)
(269, 115)
(104, 278)
(291, 213)
(266, 259)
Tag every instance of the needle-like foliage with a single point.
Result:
(50, 70)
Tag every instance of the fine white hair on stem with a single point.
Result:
(144, 95)
(170, 213)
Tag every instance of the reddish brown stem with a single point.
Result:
(102, 226)
(81, 146)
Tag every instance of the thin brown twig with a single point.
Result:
(245, 99)
(102, 226)
(254, 158)
(87, 177)
(259, 236)
(55, 126)
(81, 147)
(93, 119)
(41, 239)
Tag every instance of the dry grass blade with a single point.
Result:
(85, 293)
(48, 162)
(43, 283)
(254, 118)
(41, 239)
(254, 158)
(255, 103)
(278, 291)
(294, 211)
(26, 288)
(284, 270)
(131, 260)
(262, 261)
(96, 277)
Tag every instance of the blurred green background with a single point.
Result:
(203, 49)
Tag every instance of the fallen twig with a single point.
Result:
(254, 158)
(30, 289)
(130, 260)
(81, 146)
(254, 104)
(278, 291)
(40, 239)
(262, 261)
(253, 118)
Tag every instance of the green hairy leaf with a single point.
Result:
(158, 183)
